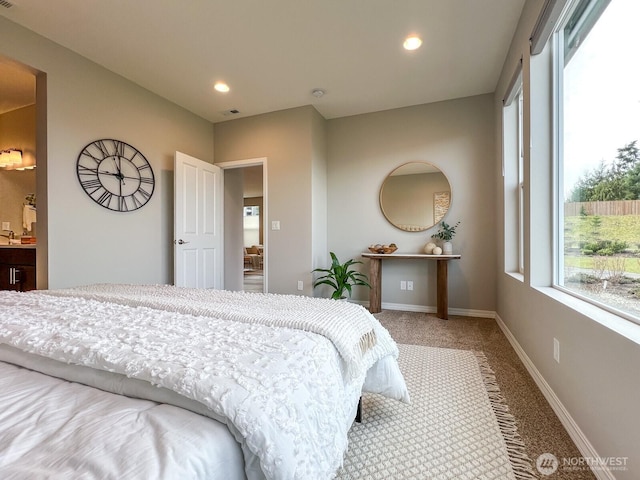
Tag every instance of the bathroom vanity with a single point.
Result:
(18, 267)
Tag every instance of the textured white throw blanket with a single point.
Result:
(350, 327)
(281, 389)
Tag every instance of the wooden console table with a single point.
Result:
(375, 278)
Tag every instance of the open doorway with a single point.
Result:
(253, 229)
(245, 217)
(23, 131)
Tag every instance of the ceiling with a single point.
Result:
(274, 53)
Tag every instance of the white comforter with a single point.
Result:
(350, 327)
(58, 430)
(282, 392)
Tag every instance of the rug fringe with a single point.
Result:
(521, 464)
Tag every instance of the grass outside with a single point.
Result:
(610, 279)
(630, 264)
(582, 231)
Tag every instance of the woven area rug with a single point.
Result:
(457, 426)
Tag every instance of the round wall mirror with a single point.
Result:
(415, 196)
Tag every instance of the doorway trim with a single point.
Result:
(42, 193)
(254, 162)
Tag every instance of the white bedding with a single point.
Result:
(282, 392)
(363, 344)
(57, 430)
(350, 327)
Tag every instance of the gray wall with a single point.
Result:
(319, 227)
(85, 102)
(595, 388)
(456, 136)
(233, 230)
(286, 139)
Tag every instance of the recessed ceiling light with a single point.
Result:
(221, 87)
(317, 92)
(412, 42)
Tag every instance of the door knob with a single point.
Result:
(181, 242)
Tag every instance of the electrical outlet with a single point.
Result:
(300, 285)
(556, 350)
(275, 225)
(6, 226)
(403, 285)
(410, 285)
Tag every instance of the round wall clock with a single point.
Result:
(115, 175)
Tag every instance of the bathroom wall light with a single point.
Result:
(10, 157)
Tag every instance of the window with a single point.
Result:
(513, 161)
(520, 187)
(251, 225)
(599, 154)
(252, 211)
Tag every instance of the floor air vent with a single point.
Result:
(5, 4)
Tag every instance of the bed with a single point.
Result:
(156, 381)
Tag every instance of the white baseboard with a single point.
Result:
(582, 443)
(405, 307)
(408, 308)
(428, 309)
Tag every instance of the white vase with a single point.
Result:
(447, 248)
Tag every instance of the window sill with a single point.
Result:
(620, 325)
(516, 276)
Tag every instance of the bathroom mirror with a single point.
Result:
(415, 196)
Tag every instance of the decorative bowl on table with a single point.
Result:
(378, 248)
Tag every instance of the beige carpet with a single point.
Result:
(538, 425)
(457, 426)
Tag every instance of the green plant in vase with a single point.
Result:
(341, 277)
(446, 233)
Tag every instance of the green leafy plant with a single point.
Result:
(604, 247)
(341, 277)
(445, 232)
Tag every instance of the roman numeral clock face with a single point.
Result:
(115, 175)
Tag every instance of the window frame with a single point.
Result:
(519, 98)
(592, 9)
(513, 171)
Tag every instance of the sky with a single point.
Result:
(602, 92)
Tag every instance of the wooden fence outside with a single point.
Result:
(614, 207)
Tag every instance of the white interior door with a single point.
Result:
(198, 223)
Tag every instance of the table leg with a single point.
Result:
(375, 280)
(441, 290)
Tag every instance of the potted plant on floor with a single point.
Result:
(341, 277)
(446, 233)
